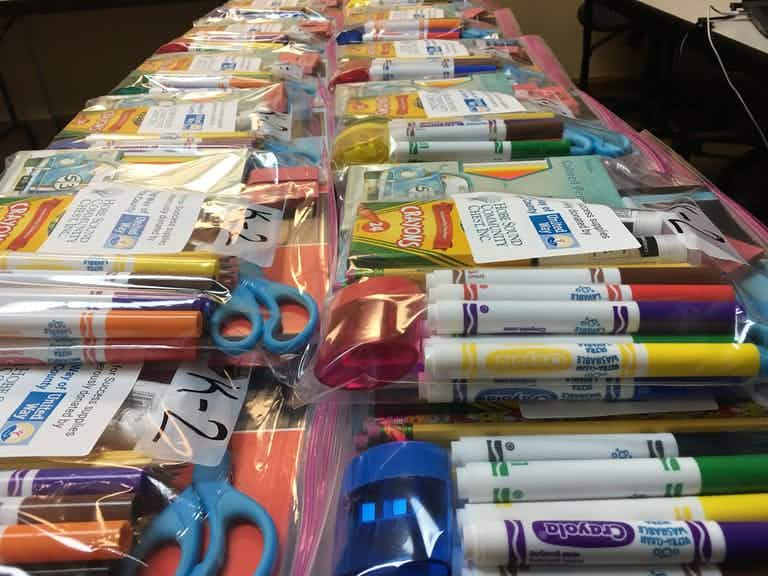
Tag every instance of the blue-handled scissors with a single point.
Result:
(210, 497)
(251, 295)
(585, 141)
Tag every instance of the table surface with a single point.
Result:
(739, 30)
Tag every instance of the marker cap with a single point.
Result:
(733, 474)
(745, 542)
(664, 317)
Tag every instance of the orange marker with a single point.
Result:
(64, 542)
(101, 324)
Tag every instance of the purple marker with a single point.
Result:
(43, 299)
(618, 543)
(70, 481)
(583, 318)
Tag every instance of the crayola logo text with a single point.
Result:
(584, 534)
(412, 232)
(13, 214)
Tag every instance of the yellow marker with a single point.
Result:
(193, 264)
(106, 458)
(491, 358)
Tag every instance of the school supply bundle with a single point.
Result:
(223, 70)
(422, 59)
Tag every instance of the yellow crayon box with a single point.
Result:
(411, 234)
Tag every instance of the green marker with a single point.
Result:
(621, 478)
(477, 151)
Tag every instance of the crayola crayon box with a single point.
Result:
(581, 177)
(409, 234)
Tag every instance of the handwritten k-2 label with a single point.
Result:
(505, 227)
(194, 419)
(573, 542)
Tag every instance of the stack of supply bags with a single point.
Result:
(378, 284)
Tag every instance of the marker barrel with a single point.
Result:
(583, 292)
(448, 358)
(70, 481)
(13, 299)
(47, 509)
(401, 130)
(101, 324)
(65, 542)
(587, 446)
(538, 390)
(130, 351)
(13, 279)
(476, 151)
(561, 447)
(730, 508)
(569, 317)
(594, 571)
(640, 275)
(192, 264)
(412, 25)
(515, 480)
(573, 542)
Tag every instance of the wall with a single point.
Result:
(556, 22)
(84, 54)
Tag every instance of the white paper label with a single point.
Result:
(59, 410)
(452, 103)
(275, 124)
(254, 27)
(194, 420)
(694, 228)
(407, 69)
(415, 48)
(288, 70)
(421, 13)
(118, 219)
(213, 63)
(198, 117)
(503, 227)
(259, 237)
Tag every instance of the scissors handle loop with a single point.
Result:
(225, 504)
(242, 304)
(251, 295)
(271, 295)
(180, 522)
